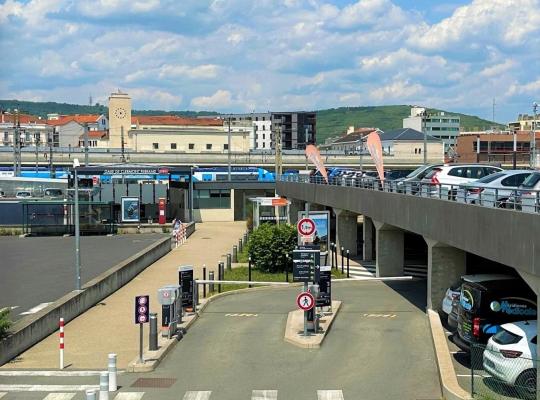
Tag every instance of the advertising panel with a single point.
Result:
(130, 209)
(321, 236)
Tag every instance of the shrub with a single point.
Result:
(5, 321)
(270, 245)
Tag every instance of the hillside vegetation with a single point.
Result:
(330, 123)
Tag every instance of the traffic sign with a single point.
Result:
(142, 309)
(306, 227)
(303, 263)
(305, 301)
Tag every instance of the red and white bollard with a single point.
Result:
(61, 343)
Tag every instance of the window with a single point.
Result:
(513, 180)
(456, 172)
(155, 146)
(173, 146)
(191, 146)
(264, 145)
(209, 146)
(264, 136)
(226, 146)
(435, 128)
(211, 198)
(264, 127)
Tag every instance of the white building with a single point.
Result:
(439, 125)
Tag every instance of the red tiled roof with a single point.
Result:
(174, 120)
(95, 135)
(23, 119)
(81, 119)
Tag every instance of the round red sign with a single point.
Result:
(306, 226)
(305, 301)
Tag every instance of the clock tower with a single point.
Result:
(119, 117)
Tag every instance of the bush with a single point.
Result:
(5, 322)
(270, 245)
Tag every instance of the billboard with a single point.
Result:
(321, 236)
(130, 209)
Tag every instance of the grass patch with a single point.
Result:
(243, 255)
(241, 274)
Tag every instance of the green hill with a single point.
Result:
(41, 109)
(335, 121)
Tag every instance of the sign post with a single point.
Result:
(142, 314)
(305, 301)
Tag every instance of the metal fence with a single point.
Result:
(58, 218)
(504, 374)
(520, 200)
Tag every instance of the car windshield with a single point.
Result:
(416, 171)
(506, 337)
(53, 192)
(531, 180)
(491, 178)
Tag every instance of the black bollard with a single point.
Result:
(204, 278)
(249, 270)
(153, 334)
(287, 269)
(234, 254)
(211, 278)
(331, 255)
(240, 245)
(336, 255)
(229, 262)
(348, 260)
(221, 273)
(342, 256)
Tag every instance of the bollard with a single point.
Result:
(331, 255)
(153, 335)
(91, 394)
(229, 265)
(195, 296)
(249, 270)
(113, 387)
(240, 247)
(211, 278)
(61, 325)
(245, 239)
(342, 255)
(287, 269)
(220, 274)
(234, 254)
(348, 260)
(104, 385)
(204, 278)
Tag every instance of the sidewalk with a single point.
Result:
(109, 326)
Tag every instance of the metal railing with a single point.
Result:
(501, 374)
(524, 200)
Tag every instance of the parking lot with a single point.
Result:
(36, 271)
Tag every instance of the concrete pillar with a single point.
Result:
(390, 249)
(446, 264)
(346, 230)
(294, 207)
(368, 239)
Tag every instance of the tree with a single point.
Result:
(271, 245)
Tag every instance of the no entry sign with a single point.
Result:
(306, 227)
(305, 301)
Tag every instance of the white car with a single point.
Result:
(494, 189)
(510, 356)
(23, 194)
(452, 293)
(448, 177)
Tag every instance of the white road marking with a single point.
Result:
(475, 375)
(242, 315)
(129, 396)
(2, 395)
(47, 388)
(264, 395)
(329, 395)
(60, 396)
(35, 309)
(458, 352)
(197, 395)
(380, 315)
(52, 373)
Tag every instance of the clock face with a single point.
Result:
(120, 113)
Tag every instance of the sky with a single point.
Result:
(260, 55)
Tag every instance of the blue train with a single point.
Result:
(33, 172)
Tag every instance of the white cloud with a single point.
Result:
(219, 100)
(371, 13)
(498, 69)
(205, 71)
(400, 90)
(158, 98)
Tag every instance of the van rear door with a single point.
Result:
(469, 304)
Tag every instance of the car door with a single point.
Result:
(510, 184)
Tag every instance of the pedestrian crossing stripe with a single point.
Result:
(2, 394)
(60, 396)
(242, 315)
(380, 315)
(329, 395)
(47, 388)
(129, 396)
(264, 395)
(197, 395)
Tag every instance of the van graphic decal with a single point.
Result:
(466, 300)
(514, 306)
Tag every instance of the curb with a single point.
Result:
(447, 374)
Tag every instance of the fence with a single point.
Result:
(504, 374)
(519, 200)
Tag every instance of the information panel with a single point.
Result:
(305, 258)
(185, 280)
(323, 276)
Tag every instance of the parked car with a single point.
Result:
(394, 174)
(510, 356)
(23, 194)
(489, 300)
(2, 194)
(451, 294)
(53, 193)
(496, 188)
(453, 316)
(449, 177)
(411, 181)
(527, 194)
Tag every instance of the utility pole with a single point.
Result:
(85, 144)
(534, 125)
(424, 115)
(50, 139)
(229, 150)
(16, 145)
(37, 141)
(278, 160)
(123, 156)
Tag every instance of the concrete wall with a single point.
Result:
(505, 236)
(32, 329)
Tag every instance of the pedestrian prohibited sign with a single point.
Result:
(305, 301)
(306, 227)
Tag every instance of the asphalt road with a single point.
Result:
(367, 355)
(38, 270)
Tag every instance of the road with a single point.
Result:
(378, 348)
(39, 270)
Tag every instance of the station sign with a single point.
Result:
(323, 277)
(142, 309)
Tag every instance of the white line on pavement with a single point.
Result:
(475, 375)
(2, 395)
(205, 395)
(60, 396)
(35, 309)
(264, 395)
(329, 395)
(129, 396)
(52, 373)
(47, 388)
(458, 352)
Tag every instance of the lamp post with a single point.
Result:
(424, 115)
(191, 192)
(534, 126)
(76, 164)
(229, 151)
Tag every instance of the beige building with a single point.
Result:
(119, 119)
(408, 144)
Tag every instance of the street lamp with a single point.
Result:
(424, 115)
(534, 126)
(77, 164)
(191, 191)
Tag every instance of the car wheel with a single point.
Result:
(526, 384)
